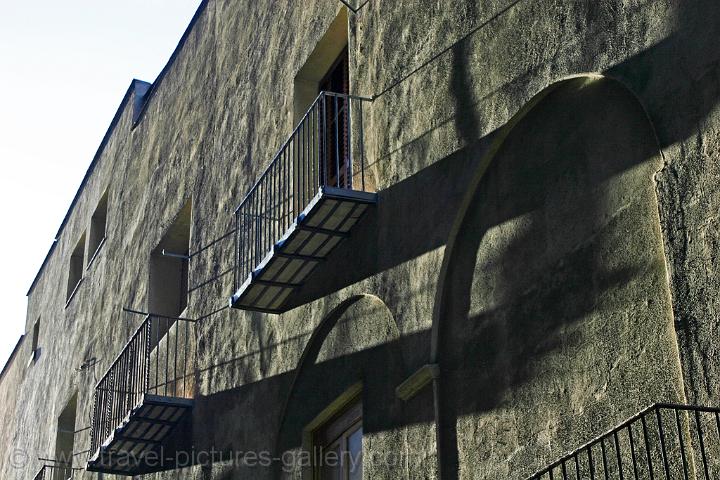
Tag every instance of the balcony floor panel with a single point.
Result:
(328, 219)
(141, 432)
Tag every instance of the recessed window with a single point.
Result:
(335, 148)
(35, 353)
(326, 69)
(324, 60)
(98, 224)
(339, 442)
(65, 436)
(77, 264)
(169, 265)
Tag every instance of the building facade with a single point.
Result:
(381, 240)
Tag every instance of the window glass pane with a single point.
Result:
(355, 454)
(341, 442)
(331, 463)
(36, 335)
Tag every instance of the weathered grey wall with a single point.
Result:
(448, 78)
(556, 315)
(12, 377)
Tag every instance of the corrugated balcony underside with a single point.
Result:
(322, 225)
(144, 430)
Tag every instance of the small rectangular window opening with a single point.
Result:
(35, 341)
(168, 293)
(98, 225)
(65, 439)
(313, 76)
(76, 267)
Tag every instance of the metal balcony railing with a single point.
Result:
(664, 441)
(326, 150)
(159, 359)
(56, 472)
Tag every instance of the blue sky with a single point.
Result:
(64, 67)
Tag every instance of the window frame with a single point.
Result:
(95, 241)
(78, 271)
(169, 271)
(35, 341)
(340, 427)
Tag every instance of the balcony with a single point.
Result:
(145, 394)
(303, 205)
(56, 472)
(665, 441)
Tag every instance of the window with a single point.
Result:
(334, 148)
(321, 61)
(35, 353)
(169, 265)
(98, 224)
(339, 442)
(326, 69)
(65, 437)
(77, 264)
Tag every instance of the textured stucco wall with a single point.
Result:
(556, 320)
(12, 377)
(447, 77)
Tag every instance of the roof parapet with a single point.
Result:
(11, 358)
(137, 91)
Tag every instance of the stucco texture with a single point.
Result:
(550, 243)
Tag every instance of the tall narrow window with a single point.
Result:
(169, 264)
(35, 340)
(77, 264)
(334, 142)
(98, 224)
(325, 69)
(323, 58)
(339, 442)
(65, 439)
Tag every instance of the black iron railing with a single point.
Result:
(326, 149)
(159, 359)
(56, 472)
(664, 441)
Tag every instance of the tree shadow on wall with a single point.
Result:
(248, 418)
(413, 217)
(678, 80)
(532, 258)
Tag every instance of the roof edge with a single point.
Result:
(140, 88)
(145, 93)
(171, 61)
(11, 358)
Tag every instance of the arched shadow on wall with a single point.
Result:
(533, 271)
(268, 416)
(358, 341)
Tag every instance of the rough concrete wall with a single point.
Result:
(72, 335)
(13, 374)
(141, 169)
(446, 75)
(557, 321)
(359, 343)
(679, 80)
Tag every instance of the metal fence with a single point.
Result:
(326, 149)
(56, 472)
(158, 359)
(664, 441)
